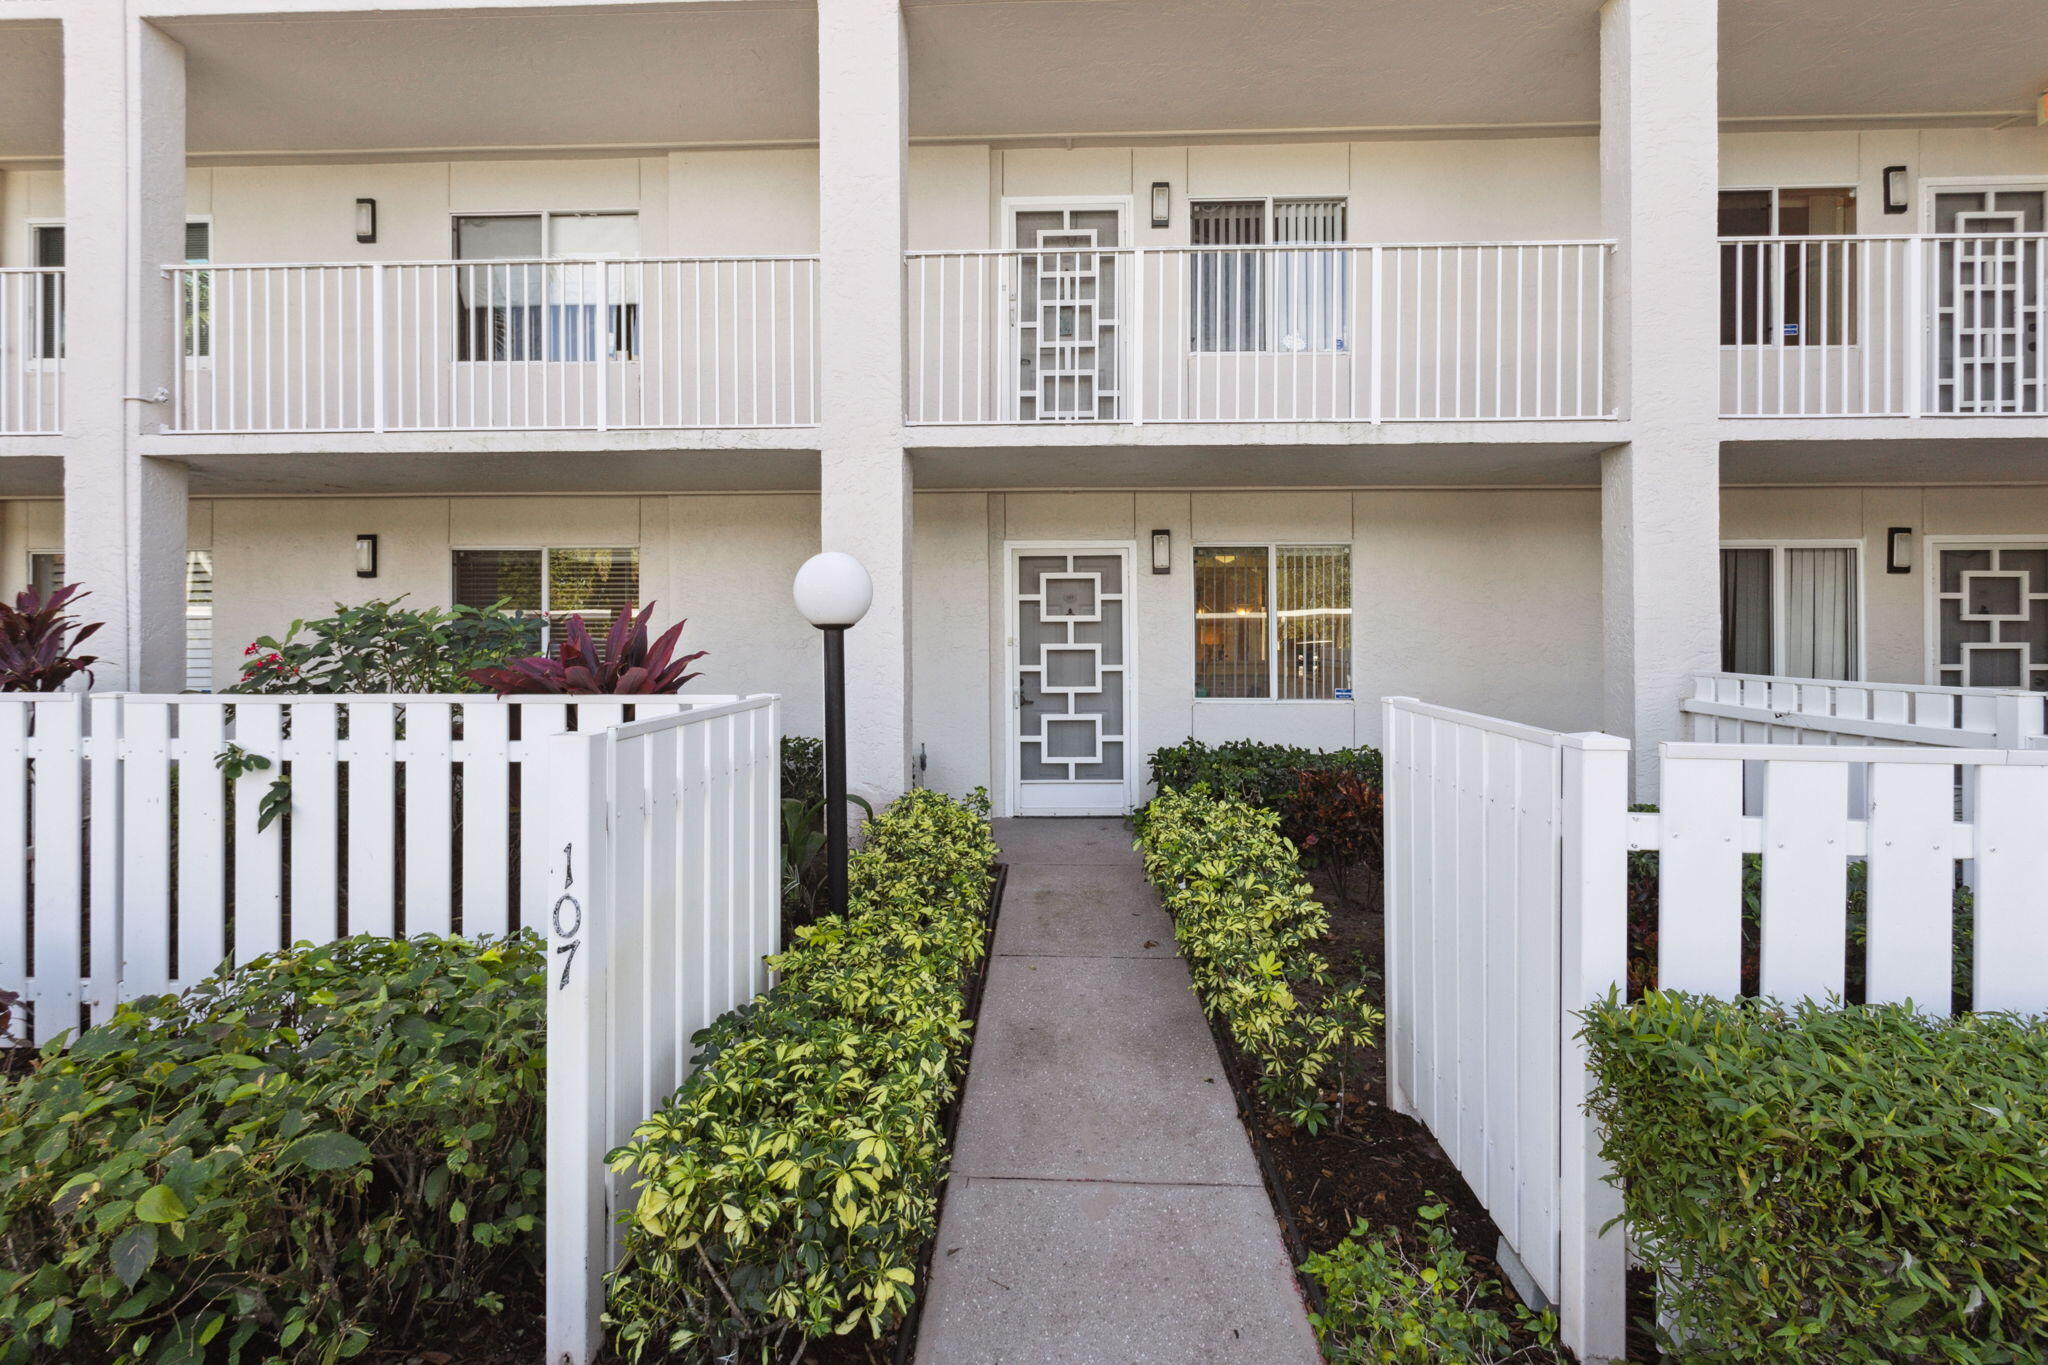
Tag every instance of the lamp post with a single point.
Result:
(833, 592)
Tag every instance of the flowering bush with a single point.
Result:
(380, 646)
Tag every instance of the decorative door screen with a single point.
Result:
(1071, 697)
(1068, 318)
(1988, 296)
(1991, 609)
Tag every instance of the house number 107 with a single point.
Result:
(568, 933)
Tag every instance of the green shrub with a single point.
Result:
(1260, 774)
(1820, 1184)
(1383, 1305)
(383, 647)
(1248, 924)
(784, 1191)
(326, 1149)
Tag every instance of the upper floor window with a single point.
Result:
(1788, 293)
(513, 302)
(1792, 610)
(47, 330)
(551, 584)
(1273, 622)
(1295, 300)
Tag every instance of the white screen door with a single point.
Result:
(1070, 680)
(1068, 320)
(1988, 296)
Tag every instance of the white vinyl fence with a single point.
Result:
(147, 869)
(1478, 809)
(497, 345)
(1475, 331)
(663, 893)
(1748, 708)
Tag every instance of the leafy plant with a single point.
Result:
(381, 646)
(1266, 775)
(784, 1191)
(1248, 925)
(1336, 818)
(1817, 1184)
(297, 1160)
(624, 665)
(234, 761)
(1383, 1305)
(39, 641)
(803, 828)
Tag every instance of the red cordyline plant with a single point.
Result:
(624, 665)
(37, 643)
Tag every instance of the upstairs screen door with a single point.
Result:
(1068, 322)
(1989, 293)
(1070, 674)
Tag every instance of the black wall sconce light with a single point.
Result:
(1162, 203)
(366, 556)
(366, 220)
(1895, 189)
(1898, 550)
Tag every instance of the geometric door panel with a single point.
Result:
(1991, 614)
(1988, 300)
(1069, 622)
(1067, 323)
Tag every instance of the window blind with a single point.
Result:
(199, 620)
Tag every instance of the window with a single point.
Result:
(198, 310)
(553, 584)
(46, 329)
(46, 575)
(1273, 622)
(1791, 610)
(1788, 293)
(1272, 299)
(513, 302)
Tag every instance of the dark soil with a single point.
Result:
(1378, 1166)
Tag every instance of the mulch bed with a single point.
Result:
(1382, 1166)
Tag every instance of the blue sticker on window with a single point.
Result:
(1343, 694)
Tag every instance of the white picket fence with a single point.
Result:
(1506, 843)
(147, 869)
(664, 897)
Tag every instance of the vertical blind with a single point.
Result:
(1820, 613)
(1258, 301)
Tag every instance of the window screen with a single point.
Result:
(1231, 625)
(46, 328)
(1287, 300)
(1229, 297)
(1788, 293)
(551, 584)
(1312, 598)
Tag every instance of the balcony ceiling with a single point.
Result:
(603, 78)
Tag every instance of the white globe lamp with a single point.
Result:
(833, 592)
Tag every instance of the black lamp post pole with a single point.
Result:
(835, 768)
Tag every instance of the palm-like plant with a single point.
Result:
(625, 664)
(37, 641)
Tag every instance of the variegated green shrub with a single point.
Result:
(785, 1190)
(1248, 924)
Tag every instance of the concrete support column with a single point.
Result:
(864, 475)
(1660, 493)
(124, 217)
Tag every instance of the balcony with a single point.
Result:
(1904, 326)
(1464, 332)
(31, 352)
(499, 345)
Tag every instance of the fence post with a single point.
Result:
(1594, 958)
(573, 772)
(106, 828)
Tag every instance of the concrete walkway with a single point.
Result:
(1105, 1205)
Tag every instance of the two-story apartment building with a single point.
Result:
(1206, 367)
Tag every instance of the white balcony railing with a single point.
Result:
(1883, 326)
(497, 345)
(1487, 331)
(31, 352)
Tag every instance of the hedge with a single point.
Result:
(785, 1190)
(1832, 1184)
(327, 1149)
(1248, 923)
(1257, 774)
